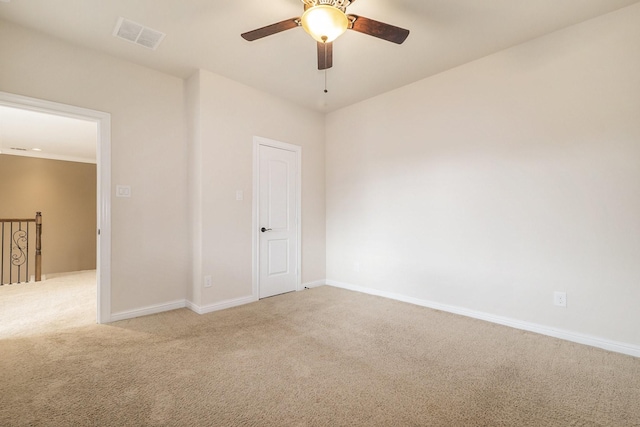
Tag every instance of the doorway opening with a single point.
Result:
(103, 180)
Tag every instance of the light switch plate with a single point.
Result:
(123, 191)
(239, 195)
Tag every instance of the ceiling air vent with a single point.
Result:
(138, 34)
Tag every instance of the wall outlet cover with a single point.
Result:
(560, 299)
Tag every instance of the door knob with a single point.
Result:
(265, 229)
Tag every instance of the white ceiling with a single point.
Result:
(35, 134)
(206, 34)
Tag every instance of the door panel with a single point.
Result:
(278, 256)
(277, 217)
(278, 194)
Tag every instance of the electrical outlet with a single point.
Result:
(560, 299)
(207, 281)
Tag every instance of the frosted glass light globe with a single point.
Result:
(324, 23)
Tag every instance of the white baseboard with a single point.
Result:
(220, 305)
(145, 311)
(313, 284)
(618, 347)
(154, 309)
(194, 307)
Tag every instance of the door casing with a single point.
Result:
(103, 151)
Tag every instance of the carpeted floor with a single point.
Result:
(62, 301)
(322, 357)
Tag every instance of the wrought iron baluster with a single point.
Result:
(19, 244)
(2, 258)
(11, 256)
(15, 264)
(26, 272)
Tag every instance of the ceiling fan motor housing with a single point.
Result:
(338, 4)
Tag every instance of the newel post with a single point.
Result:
(38, 246)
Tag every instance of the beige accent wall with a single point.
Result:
(492, 185)
(150, 252)
(65, 193)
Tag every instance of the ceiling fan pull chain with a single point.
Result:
(324, 39)
(325, 81)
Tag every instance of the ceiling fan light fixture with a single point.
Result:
(324, 23)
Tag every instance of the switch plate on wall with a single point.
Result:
(123, 191)
(207, 281)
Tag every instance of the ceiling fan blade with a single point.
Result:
(325, 55)
(378, 29)
(271, 29)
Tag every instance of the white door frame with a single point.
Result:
(103, 152)
(255, 235)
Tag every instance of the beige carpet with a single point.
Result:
(62, 301)
(322, 357)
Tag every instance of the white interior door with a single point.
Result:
(277, 221)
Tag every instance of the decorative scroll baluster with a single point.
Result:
(19, 248)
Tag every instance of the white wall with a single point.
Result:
(227, 115)
(492, 185)
(148, 144)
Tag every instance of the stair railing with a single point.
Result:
(16, 259)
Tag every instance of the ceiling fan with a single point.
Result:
(326, 20)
